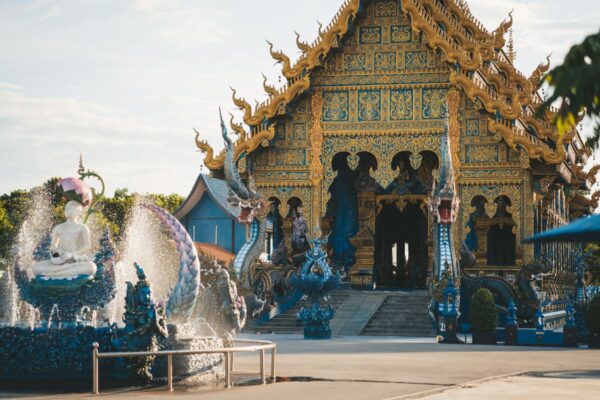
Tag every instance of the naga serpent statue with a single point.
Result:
(523, 294)
(443, 206)
(219, 304)
(253, 211)
(182, 300)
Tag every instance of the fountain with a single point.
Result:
(65, 291)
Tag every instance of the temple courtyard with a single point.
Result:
(362, 367)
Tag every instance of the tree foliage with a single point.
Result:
(593, 261)
(576, 85)
(112, 211)
(483, 314)
(593, 315)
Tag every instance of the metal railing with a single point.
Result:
(228, 352)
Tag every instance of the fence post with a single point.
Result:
(231, 363)
(170, 371)
(273, 364)
(262, 366)
(227, 371)
(95, 384)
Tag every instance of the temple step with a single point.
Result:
(401, 314)
(288, 322)
(359, 312)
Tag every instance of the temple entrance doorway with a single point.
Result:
(401, 251)
(379, 236)
(401, 258)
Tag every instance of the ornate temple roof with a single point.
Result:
(217, 189)
(479, 66)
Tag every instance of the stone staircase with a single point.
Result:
(288, 321)
(401, 314)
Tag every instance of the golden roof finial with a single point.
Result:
(320, 28)
(237, 128)
(270, 90)
(303, 46)
(512, 54)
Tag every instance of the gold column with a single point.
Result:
(316, 167)
(454, 138)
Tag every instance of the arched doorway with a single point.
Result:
(402, 224)
(501, 241)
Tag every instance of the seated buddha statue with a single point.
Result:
(69, 248)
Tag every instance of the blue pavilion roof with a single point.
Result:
(217, 189)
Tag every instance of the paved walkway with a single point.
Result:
(369, 368)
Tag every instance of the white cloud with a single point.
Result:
(540, 27)
(43, 136)
(5, 86)
(182, 24)
(76, 121)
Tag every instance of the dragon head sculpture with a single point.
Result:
(443, 203)
(251, 204)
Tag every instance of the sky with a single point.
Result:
(123, 82)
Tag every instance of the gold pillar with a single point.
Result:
(364, 242)
(316, 167)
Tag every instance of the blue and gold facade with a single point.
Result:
(386, 76)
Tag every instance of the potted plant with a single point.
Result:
(593, 322)
(484, 317)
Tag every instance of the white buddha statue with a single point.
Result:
(69, 248)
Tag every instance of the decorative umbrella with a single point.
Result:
(586, 229)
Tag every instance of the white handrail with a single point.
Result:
(257, 345)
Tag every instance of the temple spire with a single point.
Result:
(512, 54)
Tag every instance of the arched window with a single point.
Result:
(501, 239)
(478, 224)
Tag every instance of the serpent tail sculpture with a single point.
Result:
(182, 300)
(253, 211)
(444, 208)
(522, 293)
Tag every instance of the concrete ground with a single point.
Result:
(386, 368)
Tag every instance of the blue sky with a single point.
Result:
(124, 82)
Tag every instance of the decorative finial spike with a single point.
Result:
(81, 169)
(512, 54)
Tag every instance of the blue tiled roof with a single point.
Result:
(216, 188)
(219, 190)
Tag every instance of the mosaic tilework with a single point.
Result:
(472, 127)
(415, 59)
(280, 132)
(483, 153)
(434, 103)
(370, 35)
(385, 61)
(401, 104)
(335, 106)
(290, 157)
(369, 105)
(355, 62)
(401, 34)
(386, 8)
(299, 132)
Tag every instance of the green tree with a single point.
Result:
(117, 208)
(112, 211)
(169, 202)
(6, 229)
(14, 207)
(576, 86)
